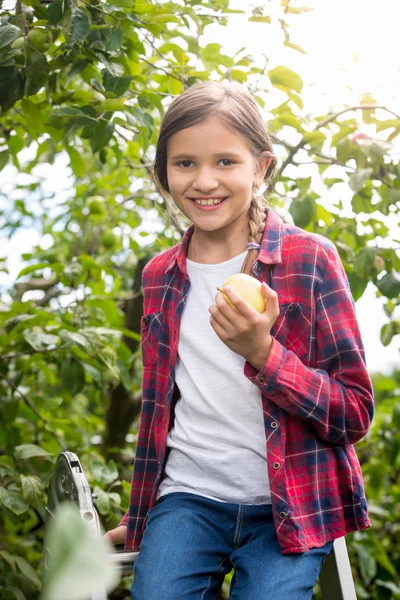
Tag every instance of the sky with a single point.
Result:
(352, 49)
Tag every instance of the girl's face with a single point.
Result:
(211, 172)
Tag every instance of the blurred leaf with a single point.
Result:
(8, 33)
(286, 78)
(72, 375)
(302, 211)
(32, 490)
(36, 74)
(28, 571)
(38, 339)
(358, 179)
(80, 24)
(389, 285)
(79, 565)
(103, 133)
(26, 451)
(13, 501)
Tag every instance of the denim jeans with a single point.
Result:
(191, 542)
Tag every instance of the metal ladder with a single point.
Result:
(69, 483)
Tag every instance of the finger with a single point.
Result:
(240, 306)
(219, 330)
(220, 318)
(271, 300)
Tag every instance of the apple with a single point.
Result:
(109, 239)
(248, 288)
(39, 39)
(97, 205)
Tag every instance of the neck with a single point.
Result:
(215, 249)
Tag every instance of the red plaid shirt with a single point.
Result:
(316, 393)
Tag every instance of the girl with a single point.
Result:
(245, 455)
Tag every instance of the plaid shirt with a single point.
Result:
(316, 393)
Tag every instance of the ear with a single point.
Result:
(262, 164)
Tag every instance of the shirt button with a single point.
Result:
(276, 465)
(261, 380)
(274, 424)
(283, 515)
(291, 307)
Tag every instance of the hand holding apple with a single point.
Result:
(241, 327)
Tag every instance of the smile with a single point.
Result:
(208, 201)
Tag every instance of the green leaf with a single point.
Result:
(72, 375)
(102, 501)
(4, 156)
(80, 24)
(114, 39)
(37, 73)
(9, 94)
(103, 133)
(302, 211)
(55, 11)
(10, 324)
(68, 111)
(358, 179)
(283, 77)
(26, 451)
(78, 164)
(388, 124)
(28, 571)
(13, 501)
(79, 563)
(17, 593)
(261, 19)
(8, 33)
(38, 339)
(9, 558)
(32, 490)
(389, 285)
(364, 262)
(32, 269)
(368, 566)
(116, 85)
(105, 473)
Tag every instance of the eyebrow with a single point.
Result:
(226, 154)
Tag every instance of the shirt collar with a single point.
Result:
(271, 245)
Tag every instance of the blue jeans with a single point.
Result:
(190, 543)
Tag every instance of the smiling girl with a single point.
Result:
(245, 455)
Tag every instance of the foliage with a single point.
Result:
(79, 564)
(83, 86)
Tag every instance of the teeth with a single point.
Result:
(209, 202)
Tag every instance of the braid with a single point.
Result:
(257, 218)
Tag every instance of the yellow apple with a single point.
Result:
(248, 288)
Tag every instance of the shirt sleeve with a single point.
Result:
(336, 396)
(124, 520)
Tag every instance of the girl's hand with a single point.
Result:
(117, 536)
(244, 330)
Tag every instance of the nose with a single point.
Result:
(205, 180)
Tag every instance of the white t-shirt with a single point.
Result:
(217, 442)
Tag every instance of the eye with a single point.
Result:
(185, 163)
(226, 162)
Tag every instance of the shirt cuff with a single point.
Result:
(267, 375)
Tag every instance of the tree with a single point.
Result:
(87, 83)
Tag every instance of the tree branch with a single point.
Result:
(329, 119)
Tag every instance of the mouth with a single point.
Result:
(208, 201)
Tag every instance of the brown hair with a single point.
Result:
(235, 105)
